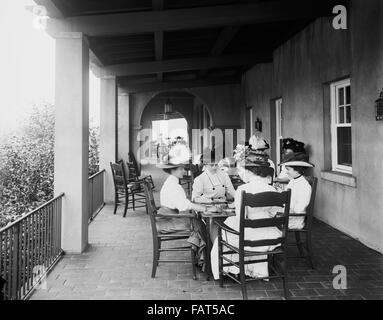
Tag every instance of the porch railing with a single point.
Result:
(96, 194)
(29, 248)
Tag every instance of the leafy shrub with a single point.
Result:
(27, 165)
(94, 150)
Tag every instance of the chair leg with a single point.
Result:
(284, 270)
(126, 203)
(299, 243)
(242, 277)
(285, 289)
(159, 253)
(193, 262)
(134, 202)
(156, 246)
(115, 203)
(220, 259)
(309, 250)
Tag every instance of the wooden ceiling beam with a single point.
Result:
(225, 37)
(158, 5)
(190, 18)
(163, 86)
(232, 60)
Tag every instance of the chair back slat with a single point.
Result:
(119, 177)
(264, 223)
(264, 199)
(262, 243)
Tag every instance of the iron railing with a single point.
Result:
(29, 248)
(96, 194)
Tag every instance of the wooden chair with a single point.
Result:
(131, 191)
(266, 199)
(306, 245)
(159, 237)
(135, 171)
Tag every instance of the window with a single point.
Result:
(341, 126)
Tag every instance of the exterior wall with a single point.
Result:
(301, 71)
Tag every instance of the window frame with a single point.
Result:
(335, 87)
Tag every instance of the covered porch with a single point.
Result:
(117, 265)
(230, 63)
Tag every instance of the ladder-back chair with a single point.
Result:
(266, 199)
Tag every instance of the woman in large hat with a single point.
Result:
(289, 147)
(296, 165)
(212, 184)
(254, 169)
(172, 195)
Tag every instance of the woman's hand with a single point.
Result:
(199, 207)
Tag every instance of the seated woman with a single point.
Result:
(296, 165)
(212, 184)
(174, 201)
(253, 170)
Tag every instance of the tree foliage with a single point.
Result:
(27, 165)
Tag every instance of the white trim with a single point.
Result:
(334, 116)
(340, 178)
(278, 128)
(252, 124)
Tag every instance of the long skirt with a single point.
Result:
(170, 225)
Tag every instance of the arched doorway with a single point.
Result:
(188, 113)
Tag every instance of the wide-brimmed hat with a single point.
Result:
(257, 143)
(256, 158)
(178, 156)
(298, 159)
(294, 145)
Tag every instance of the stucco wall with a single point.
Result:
(301, 71)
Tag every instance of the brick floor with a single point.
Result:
(117, 265)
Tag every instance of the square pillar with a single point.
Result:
(123, 126)
(72, 138)
(108, 133)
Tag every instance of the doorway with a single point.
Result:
(166, 133)
(276, 131)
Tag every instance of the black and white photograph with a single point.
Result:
(191, 150)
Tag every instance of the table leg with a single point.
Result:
(208, 249)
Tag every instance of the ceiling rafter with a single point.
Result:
(186, 64)
(158, 5)
(191, 18)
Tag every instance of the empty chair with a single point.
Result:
(135, 171)
(131, 191)
(254, 252)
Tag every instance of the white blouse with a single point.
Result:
(208, 186)
(300, 199)
(173, 196)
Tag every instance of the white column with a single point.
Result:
(108, 133)
(72, 138)
(123, 126)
